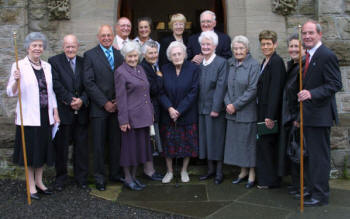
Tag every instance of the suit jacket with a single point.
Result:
(133, 99)
(223, 49)
(241, 92)
(98, 79)
(270, 88)
(212, 86)
(30, 93)
(67, 85)
(323, 80)
(180, 92)
(164, 43)
(155, 87)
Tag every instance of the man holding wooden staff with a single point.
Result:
(321, 80)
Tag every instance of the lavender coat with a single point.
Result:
(132, 96)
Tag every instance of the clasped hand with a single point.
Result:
(173, 113)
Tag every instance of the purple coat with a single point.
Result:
(133, 96)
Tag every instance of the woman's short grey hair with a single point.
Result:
(173, 45)
(148, 44)
(129, 47)
(34, 36)
(240, 39)
(210, 35)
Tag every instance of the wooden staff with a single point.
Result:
(22, 127)
(301, 127)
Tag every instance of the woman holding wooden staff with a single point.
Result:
(39, 111)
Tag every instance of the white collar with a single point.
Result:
(120, 41)
(313, 49)
(210, 60)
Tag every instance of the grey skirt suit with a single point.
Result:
(240, 143)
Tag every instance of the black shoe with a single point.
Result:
(139, 183)
(155, 176)
(132, 186)
(207, 176)
(250, 184)
(218, 180)
(45, 192)
(306, 195)
(83, 186)
(100, 186)
(59, 188)
(117, 179)
(313, 203)
(239, 180)
(35, 196)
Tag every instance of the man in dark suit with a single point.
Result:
(72, 102)
(208, 22)
(321, 80)
(99, 66)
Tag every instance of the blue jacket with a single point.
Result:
(180, 92)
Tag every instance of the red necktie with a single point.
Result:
(307, 61)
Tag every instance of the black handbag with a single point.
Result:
(293, 148)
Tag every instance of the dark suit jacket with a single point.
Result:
(164, 43)
(223, 49)
(155, 86)
(323, 80)
(133, 99)
(180, 92)
(270, 88)
(99, 79)
(67, 85)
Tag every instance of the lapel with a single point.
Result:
(115, 55)
(312, 65)
(101, 55)
(135, 72)
(66, 65)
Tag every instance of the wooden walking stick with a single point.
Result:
(22, 128)
(301, 127)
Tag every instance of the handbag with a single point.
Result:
(293, 148)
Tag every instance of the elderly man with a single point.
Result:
(99, 66)
(72, 102)
(123, 29)
(321, 80)
(208, 22)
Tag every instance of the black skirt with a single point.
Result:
(39, 145)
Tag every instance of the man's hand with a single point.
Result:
(230, 109)
(304, 95)
(214, 114)
(76, 103)
(269, 123)
(125, 127)
(110, 107)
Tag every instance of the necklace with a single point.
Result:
(35, 63)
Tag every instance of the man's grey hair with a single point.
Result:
(148, 44)
(173, 45)
(34, 36)
(210, 35)
(240, 39)
(207, 12)
(130, 46)
(318, 25)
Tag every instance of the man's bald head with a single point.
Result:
(123, 27)
(70, 45)
(105, 35)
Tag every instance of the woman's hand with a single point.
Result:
(56, 117)
(125, 127)
(230, 109)
(269, 123)
(17, 74)
(214, 114)
(173, 113)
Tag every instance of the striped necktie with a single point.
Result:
(110, 59)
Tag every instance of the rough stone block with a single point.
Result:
(338, 157)
(329, 29)
(343, 27)
(340, 138)
(306, 7)
(341, 49)
(347, 6)
(331, 7)
(38, 13)
(294, 21)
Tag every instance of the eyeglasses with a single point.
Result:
(239, 48)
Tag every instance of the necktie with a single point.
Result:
(110, 59)
(307, 62)
(72, 65)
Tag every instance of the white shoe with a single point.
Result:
(184, 177)
(168, 177)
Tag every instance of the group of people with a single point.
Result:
(201, 96)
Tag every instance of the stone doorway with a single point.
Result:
(160, 11)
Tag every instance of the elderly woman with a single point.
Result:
(39, 111)
(135, 114)
(240, 101)
(179, 114)
(144, 29)
(177, 25)
(212, 124)
(290, 113)
(269, 98)
(149, 52)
